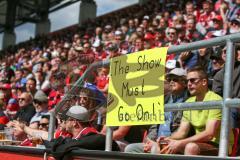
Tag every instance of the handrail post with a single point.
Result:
(109, 134)
(52, 123)
(227, 89)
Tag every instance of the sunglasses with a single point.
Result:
(37, 102)
(21, 99)
(43, 124)
(171, 33)
(193, 80)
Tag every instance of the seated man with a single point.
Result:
(205, 123)
(84, 135)
(177, 86)
(40, 103)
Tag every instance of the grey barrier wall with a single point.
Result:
(225, 104)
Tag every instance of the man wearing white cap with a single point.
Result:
(177, 85)
(84, 135)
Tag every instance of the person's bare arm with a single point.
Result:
(36, 132)
(121, 132)
(210, 131)
(206, 135)
(182, 131)
(30, 131)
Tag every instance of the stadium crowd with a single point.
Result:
(35, 75)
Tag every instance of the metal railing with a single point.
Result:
(225, 104)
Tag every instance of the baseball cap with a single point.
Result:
(78, 112)
(13, 105)
(177, 72)
(218, 18)
(40, 96)
(236, 20)
(117, 33)
(112, 47)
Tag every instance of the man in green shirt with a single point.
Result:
(205, 124)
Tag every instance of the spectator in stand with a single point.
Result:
(29, 136)
(177, 84)
(31, 86)
(234, 10)
(118, 37)
(234, 26)
(217, 29)
(172, 37)
(205, 123)
(160, 37)
(162, 24)
(84, 135)
(27, 110)
(218, 88)
(113, 50)
(42, 83)
(99, 52)
(205, 18)
(3, 117)
(40, 102)
(12, 108)
(217, 62)
(88, 54)
(192, 34)
(6, 73)
(204, 55)
(98, 34)
(19, 79)
(131, 27)
(102, 80)
(138, 45)
(190, 10)
(57, 92)
(61, 130)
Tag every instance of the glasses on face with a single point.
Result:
(43, 124)
(171, 33)
(37, 102)
(21, 99)
(234, 23)
(193, 80)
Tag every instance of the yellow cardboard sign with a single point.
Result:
(136, 88)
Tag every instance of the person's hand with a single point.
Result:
(173, 147)
(10, 124)
(18, 124)
(184, 55)
(147, 146)
(160, 138)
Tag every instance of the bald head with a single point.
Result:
(25, 99)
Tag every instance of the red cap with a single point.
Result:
(218, 18)
(148, 36)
